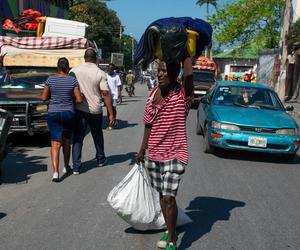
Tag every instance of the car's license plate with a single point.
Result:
(257, 142)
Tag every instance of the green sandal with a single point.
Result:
(163, 242)
(171, 246)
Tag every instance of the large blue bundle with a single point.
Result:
(145, 50)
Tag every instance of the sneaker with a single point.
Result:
(75, 172)
(102, 164)
(67, 170)
(162, 243)
(171, 246)
(55, 177)
(109, 128)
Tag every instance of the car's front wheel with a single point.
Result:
(199, 130)
(208, 148)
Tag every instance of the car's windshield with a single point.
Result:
(247, 97)
(24, 80)
(199, 76)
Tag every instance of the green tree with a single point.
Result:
(127, 49)
(70, 3)
(248, 21)
(207, 2)
(104, 25)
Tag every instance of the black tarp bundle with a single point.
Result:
(171, 34)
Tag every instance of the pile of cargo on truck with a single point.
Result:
(26, 63)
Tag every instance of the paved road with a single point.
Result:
(236, 200)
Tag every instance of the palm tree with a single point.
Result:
(207, 2)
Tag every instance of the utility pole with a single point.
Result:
(120, 34)
(280, 85)
(132, 52)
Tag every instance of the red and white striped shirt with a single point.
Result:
(168, 138)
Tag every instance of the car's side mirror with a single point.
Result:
(204, 100)
(289, 108)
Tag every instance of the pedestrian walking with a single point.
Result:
(165, 139)
(130, 83)
(114, 82)
(93, 84)
(122, 76)
(60, 90)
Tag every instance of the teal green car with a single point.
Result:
(247, 116)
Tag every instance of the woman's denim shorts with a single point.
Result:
(60, 125)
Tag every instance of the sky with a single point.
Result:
(136, 15)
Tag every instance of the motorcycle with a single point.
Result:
(130, 90)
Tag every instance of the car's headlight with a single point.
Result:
(42, 108)
(288, 131)
(224, 126)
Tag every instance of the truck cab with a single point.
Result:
(204, 75)
(203, 81)
(20, 94)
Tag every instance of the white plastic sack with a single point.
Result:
(132, 198)
(159, 221)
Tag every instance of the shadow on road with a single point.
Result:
(19, 166)
(111, 160)
(121, 123)
(125, 124)
(131, 99)
(116, 159)
(205, 212)
(131, 230)
(255, 156)
(2, 215)
(20, 139)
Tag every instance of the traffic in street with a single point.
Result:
(149, 126)
(235, 199)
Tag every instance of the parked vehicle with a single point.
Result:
(20, 94)
(247, 116)
(27, 63)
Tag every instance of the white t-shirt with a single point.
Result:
(114, 82)
(91, 81)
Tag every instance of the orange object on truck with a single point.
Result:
(206, 64)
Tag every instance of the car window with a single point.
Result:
(247, 97)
